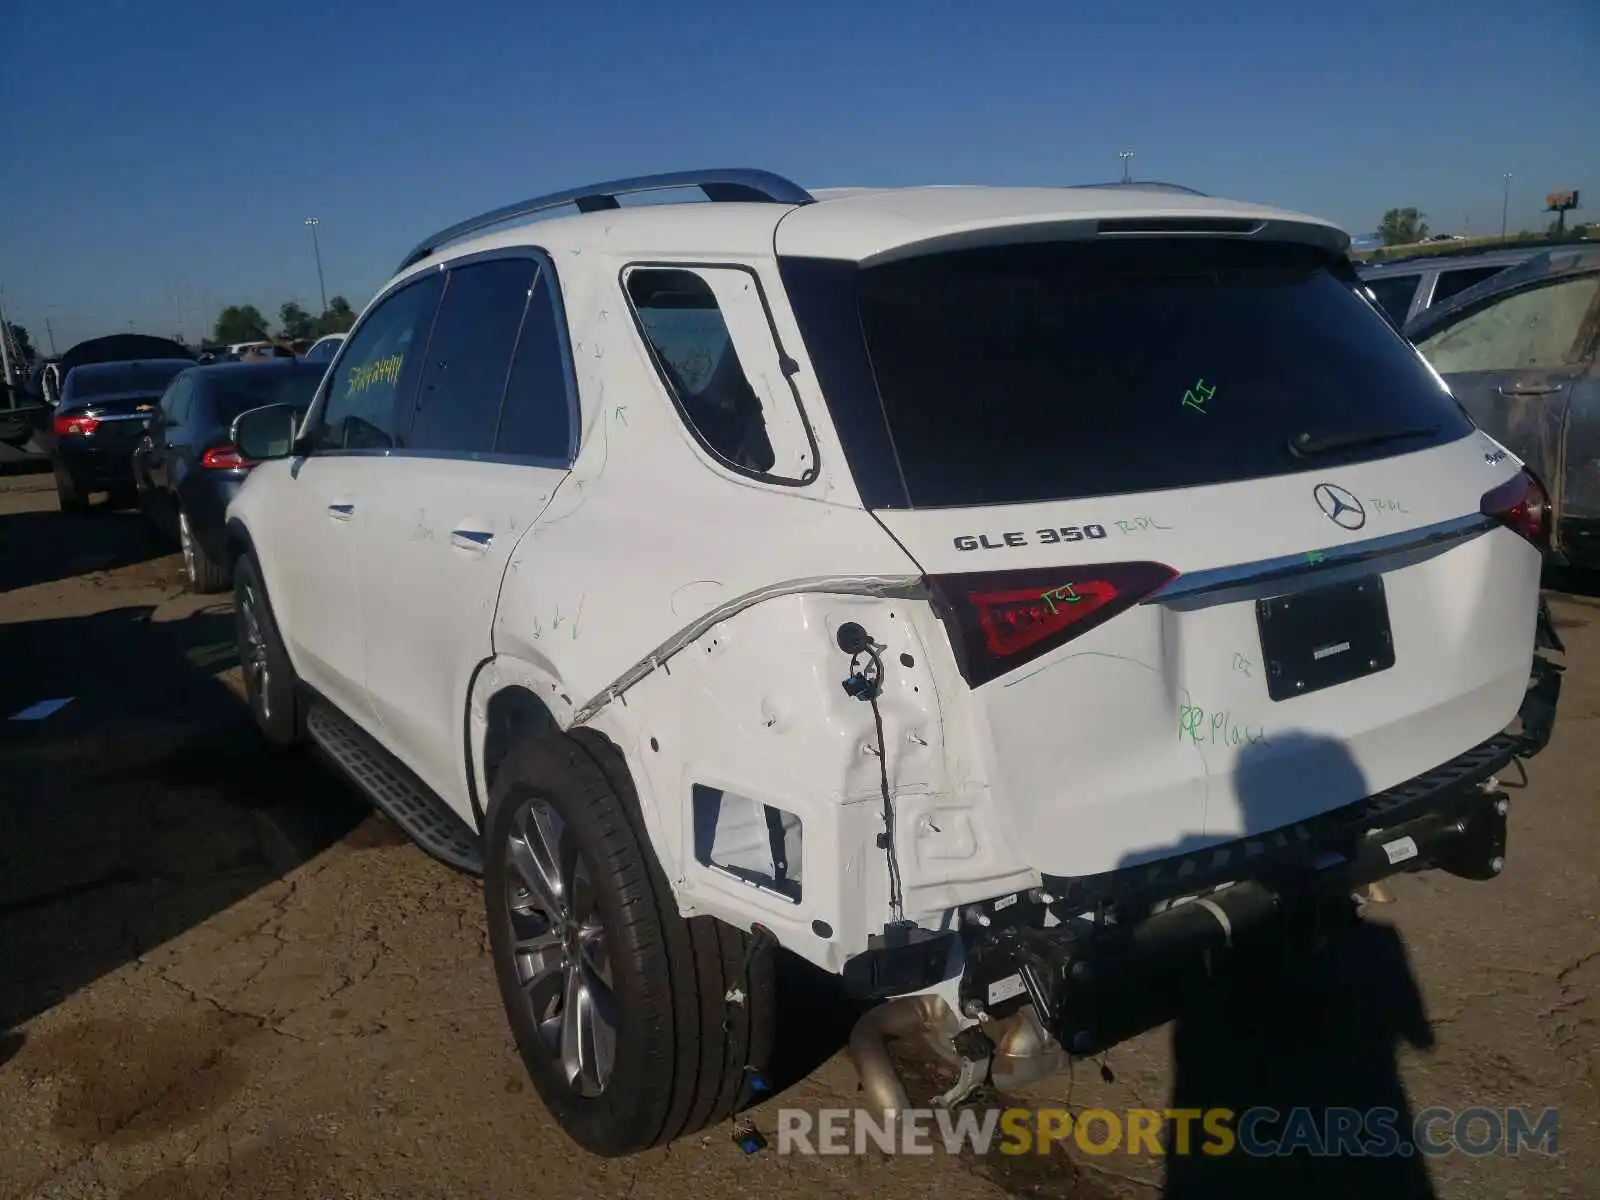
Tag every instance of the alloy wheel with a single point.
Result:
(258, 671)
(186, 541)
(560, 946)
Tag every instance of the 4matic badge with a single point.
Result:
(1339, 506)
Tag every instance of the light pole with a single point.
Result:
(316, 249)
(1126, 156)
(1505, 206)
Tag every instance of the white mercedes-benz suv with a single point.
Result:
(1000, 597)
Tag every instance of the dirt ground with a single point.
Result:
(220, 976)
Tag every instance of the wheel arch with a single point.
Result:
(510, 698)
(239, 542)
(507, 698)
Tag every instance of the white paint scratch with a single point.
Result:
(672, 601)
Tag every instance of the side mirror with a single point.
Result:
(266, 433)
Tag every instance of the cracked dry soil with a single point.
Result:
(221, 977)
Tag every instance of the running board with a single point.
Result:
(402, 797)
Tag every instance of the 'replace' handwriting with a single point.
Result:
(1140, 524)
(1215, 728)
(1241, 663)
(1388, 506)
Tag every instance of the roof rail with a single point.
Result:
(1142, 185)
(722, 186)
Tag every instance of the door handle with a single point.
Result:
(471, 539)
(341, 512)
(1531, 389)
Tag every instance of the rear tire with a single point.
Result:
(204, 573)
(563, 835)
(269, 681)
(68, 496)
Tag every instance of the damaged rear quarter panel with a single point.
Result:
(644, 538)
(667, 598)
(755, 708)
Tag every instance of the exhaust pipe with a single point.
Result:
(927, 1016)
(1024, 1052)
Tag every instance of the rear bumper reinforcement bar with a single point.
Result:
(1093, 984)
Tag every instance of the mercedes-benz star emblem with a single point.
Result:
(1339, 506)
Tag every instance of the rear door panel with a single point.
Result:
(449, 507)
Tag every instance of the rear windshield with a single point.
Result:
(1025, 373)
(1395, 294)
(86, 382)
(1453, 283)
(238, 390)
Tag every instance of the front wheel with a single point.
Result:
(636, 1025)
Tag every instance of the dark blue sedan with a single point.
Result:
(185, 467)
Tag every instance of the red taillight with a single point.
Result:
(225, 458)
(75, 426)
(1523, 506)
(998, 621)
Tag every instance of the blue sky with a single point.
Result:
(162, 157)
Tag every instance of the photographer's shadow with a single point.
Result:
(1317, 1029)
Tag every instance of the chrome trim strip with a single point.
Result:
(844, 585)
(511, 460)
(1457, 529)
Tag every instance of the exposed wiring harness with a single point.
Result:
(865, 682)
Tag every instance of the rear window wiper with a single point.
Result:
(1304, 445)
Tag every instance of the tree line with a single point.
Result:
(244, 322)
(22, 342)
(1406, 226)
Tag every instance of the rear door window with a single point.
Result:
(1026, 373)
(469, 357)
(1531, 329)
(1395, 293)
(713, 344)
(536, 420)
